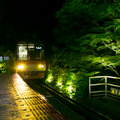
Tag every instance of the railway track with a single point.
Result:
(81, 109)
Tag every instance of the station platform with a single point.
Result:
(18, 101)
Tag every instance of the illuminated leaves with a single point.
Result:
(87, 44)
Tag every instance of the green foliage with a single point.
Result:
(49, 78)
(87, 44)
(7, 65)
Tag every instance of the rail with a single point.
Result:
(114, 89)
(82, 109)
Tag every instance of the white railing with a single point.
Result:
(114, 91)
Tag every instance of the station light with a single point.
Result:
(70, 88)
(49, 78)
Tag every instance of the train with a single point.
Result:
(30, 61)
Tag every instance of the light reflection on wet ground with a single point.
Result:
(8, 107)
(18, 101)
(31, 104)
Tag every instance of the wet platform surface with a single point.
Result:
(18, 101)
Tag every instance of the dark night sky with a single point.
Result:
(23, 17)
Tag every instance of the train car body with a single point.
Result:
(30, 61)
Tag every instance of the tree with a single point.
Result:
(87, 39)
(86, 30)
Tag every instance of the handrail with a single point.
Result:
(100, 84)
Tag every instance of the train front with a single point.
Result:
(30, 63)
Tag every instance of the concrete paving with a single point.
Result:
(8, 107)
(20, 102)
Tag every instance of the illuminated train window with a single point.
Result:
(30, 46)
(22, 52)
(30, 52)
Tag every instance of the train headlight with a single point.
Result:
(20, 67)
(41, 66)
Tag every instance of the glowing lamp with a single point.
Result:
(70, 89)
(20, 67)
(41, 66)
